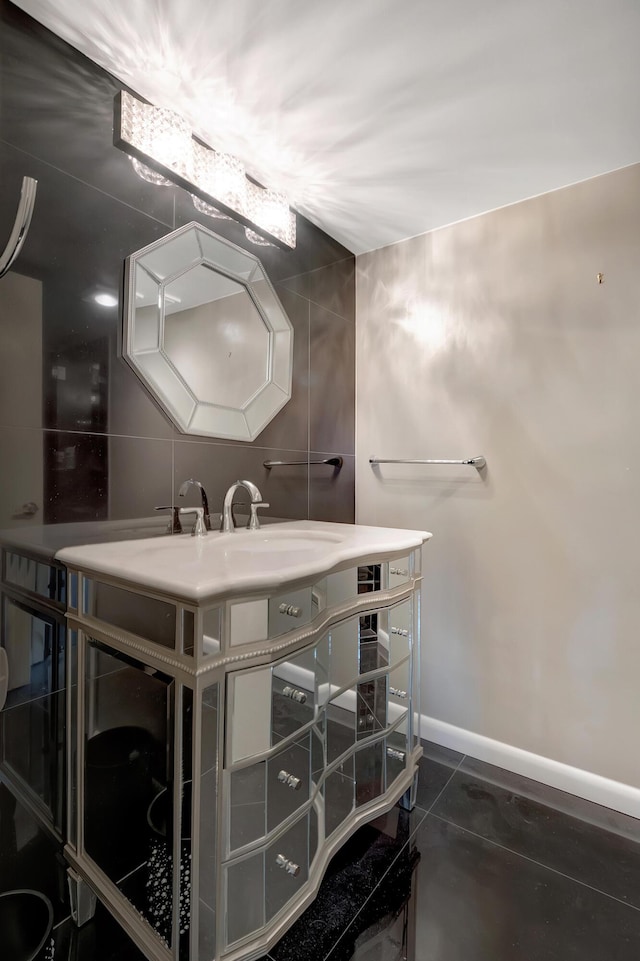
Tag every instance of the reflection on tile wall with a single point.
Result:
(79, 435)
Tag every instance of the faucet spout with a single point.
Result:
(228, 522)
(203, 495)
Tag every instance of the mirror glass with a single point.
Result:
(207, 335)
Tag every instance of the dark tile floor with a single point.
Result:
(488, 867)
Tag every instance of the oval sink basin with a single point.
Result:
(262, 542)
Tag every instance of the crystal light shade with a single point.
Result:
(158, 136)
(159, 133)
(270, 210)
(220, 175)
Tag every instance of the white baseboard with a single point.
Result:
(573, 780)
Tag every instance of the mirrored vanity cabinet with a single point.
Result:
(240, 703)
(32, 683)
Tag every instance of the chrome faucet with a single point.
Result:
(203, 494)
(227, 521)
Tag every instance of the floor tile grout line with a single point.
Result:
(375, 888)
(539, 864)
(439, 795)
(425, 814)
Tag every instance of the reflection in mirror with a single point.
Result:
(249, 696)
(370, 773)
(323, 688)
(247, 807)
(341, 724)
(245, 897)
(344, 653)
(217, 314)
(126, 778)
(394, 633)
(206, 334)
(288, 780)
(287, 862)
(293, 701)
(339, 795)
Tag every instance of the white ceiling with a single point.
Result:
(384, 118)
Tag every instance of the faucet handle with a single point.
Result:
(254, 520)
(174, 524)
(199, 528)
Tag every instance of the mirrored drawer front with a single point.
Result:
(291, 610)
(287, 862)
(279, 699)
(264, 794)
(258, 620)
(396, 754)
(295, 609)
(147, 617)
(365, 710)
(370, 642)
(401, 570)
(260, 885)
(46, 580)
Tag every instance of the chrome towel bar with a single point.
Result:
(478, 462)
(21, 226)
(332, 461)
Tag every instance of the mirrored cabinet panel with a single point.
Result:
(217, 767)
(33, 697)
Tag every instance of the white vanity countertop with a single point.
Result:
(202, 568)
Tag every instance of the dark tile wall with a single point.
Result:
(79, 435)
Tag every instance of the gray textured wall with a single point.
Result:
(494, 337)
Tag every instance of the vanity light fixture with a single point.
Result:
(220, 175)
(270, 209)
(164, 151)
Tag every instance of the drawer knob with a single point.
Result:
(401, 631)
(294, 694)
(290, 780)
(396, 755)
(397, 692)
(290, 610)
(288, 866)
(399, 571)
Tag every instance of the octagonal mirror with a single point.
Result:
(206, 333)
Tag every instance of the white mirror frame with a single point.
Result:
(162, 262)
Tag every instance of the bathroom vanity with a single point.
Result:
(240, 703)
